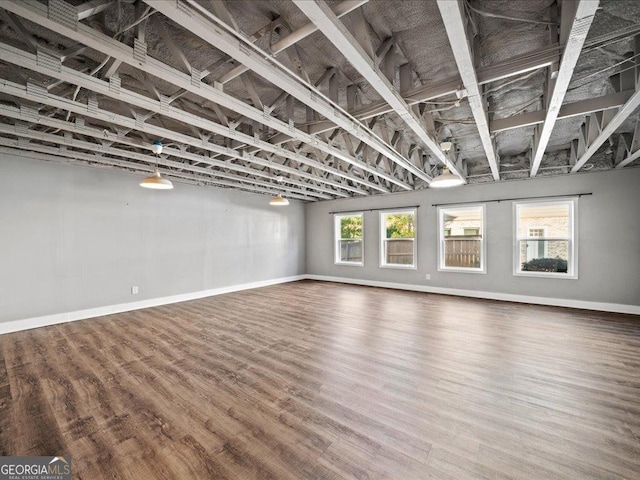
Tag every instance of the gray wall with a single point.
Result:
(608, 238)
(77, 237)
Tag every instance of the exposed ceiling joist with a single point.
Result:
(69, 142)
(89, 9)
(107, 139)
(512, 67)
(579, 15)
(26, 60)
(125, 122)
(455, 20)
(205, 25)
(37, 13)
(294, 37)
(628, 148)
(14, 147)
(600, 126)
(327, 22)
(605, 130)
(568, 110)
(15, 23)
(176, 53)
(309, 116)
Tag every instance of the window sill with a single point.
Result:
(481, 271)
(400, 267)
(349, 264)
(560, 276)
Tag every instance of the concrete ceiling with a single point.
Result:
(323, 100)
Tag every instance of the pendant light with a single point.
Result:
(156, 181)
(446, 178)
(279, 200)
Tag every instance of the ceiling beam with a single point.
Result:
(579, 15)
(568, 110)
(604, 130)
(129, 124)
(294, 37)
(175, 51)
(209, 28)
(69, 141)
(454, 18)
(47, 153)
(17, 26)
(600, 126)
(27, 60)
(37, 13)
(335, 31)
(509, 68)
(89, 9)
(107, 139)
(628, 148)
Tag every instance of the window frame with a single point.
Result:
(441, 239)
(383, 238)
(336, 239)
(572, 262)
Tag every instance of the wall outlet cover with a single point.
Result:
(427, 276)
(134, 290)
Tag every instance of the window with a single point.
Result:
(397, 239)
(348, 239)
(461, 246)
(544, 239)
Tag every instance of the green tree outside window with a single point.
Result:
(401, 226)
(351, 227)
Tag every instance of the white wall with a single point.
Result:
(75, 238)
(608, 235)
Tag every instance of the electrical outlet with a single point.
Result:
(427, 276)
(134, 290)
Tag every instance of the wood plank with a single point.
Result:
(314, 380)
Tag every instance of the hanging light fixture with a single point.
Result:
(446, 178)
(279, 201)
(156, 181)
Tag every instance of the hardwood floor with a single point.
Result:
(313, 380)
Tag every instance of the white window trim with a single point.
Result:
(336, 239)
(383, 238)
(441, 238)
(572, 266)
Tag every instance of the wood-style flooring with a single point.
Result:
(313, 380)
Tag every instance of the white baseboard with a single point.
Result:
(35, 322)
(508, 297)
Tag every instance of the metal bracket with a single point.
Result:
(164, 102)
(92, 105)
(36, 89)
(46, 60)
(139, 51)
(63, 13)
(114, 83)
(196, 75)
(28, 112)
